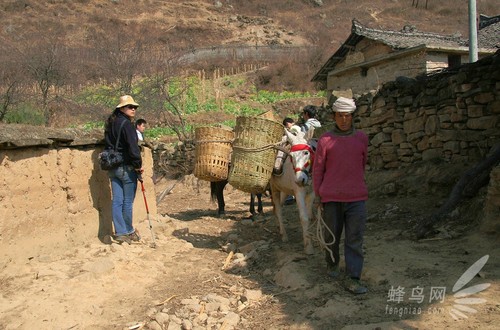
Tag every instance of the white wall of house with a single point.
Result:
(366, 50)
(437, 61)
(374, 77)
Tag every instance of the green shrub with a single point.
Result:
(231, 123)
(102, 95)
(266, 97)
(209, 106)
(230, 106)
(154, 133)
(247, 110)
(25, 114)
(93, 125)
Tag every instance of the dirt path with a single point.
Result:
(192, 280)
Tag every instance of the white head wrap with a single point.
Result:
(344, 104)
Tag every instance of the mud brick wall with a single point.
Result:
(52, 191)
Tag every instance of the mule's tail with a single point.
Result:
(213, 191)
(216, 189)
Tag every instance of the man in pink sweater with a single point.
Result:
(339, 181)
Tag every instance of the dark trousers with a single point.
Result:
(352, 216)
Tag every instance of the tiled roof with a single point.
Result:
(408, 37)
(488, 35)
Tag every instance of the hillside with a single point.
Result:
(54, 52)
(183, 26)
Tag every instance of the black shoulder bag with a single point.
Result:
(110, 159)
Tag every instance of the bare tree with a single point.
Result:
(7, 98)
(168, 106)
(121, 57)
(46, 65)
(10, 87)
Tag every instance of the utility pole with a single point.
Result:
(472, 32)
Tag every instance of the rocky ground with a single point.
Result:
(206, 272)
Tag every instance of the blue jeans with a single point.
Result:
(352, 216)
(123, 188)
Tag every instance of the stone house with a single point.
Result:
(371, 57)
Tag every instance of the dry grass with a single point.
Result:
(194, 24)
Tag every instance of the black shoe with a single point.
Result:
(290, 200)
(123, 238)
(134, 236)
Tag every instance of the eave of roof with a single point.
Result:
(352, 40)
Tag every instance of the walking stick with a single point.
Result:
(153, 244)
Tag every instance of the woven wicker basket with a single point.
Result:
(253, 155)
(212, 153)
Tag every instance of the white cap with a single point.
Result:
(295, 129)
(343, 104)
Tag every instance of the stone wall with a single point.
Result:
(454, 116)
(448, 117)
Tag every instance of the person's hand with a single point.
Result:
(317, 202)
(139, 172)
